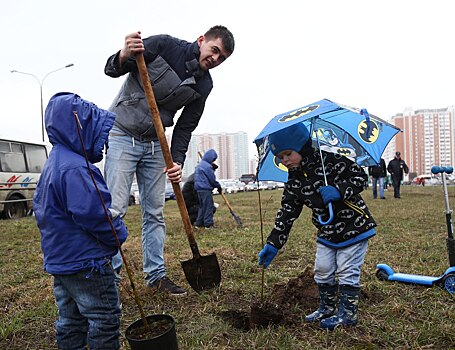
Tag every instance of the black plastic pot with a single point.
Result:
(164, 341)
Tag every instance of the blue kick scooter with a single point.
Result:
(447, 280)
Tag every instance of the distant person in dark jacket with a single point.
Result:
(76, 236)
(378, 174)
(191, 198)
(204, 183)
(396, 168)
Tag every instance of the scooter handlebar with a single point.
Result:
(435, 169)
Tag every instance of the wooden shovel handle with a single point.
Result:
(166, 153)
(226, 201)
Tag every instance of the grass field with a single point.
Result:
(411, 238)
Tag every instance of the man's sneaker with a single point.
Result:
(166, 285)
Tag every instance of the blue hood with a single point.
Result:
(210, 156)
(61, 124)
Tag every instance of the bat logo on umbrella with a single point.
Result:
(297, 113)
(368, 132)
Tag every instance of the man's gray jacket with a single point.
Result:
(177, 81)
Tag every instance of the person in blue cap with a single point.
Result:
(76, 235)
(341, 243)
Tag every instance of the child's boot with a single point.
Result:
(347, 311)
(327, 305)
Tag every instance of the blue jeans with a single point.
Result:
(125, 157)
(88, 310)
(344, 263)
(205, 212)
(374, 184)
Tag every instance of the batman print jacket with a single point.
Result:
(352, 220)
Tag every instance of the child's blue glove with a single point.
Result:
(329, 194)
(267, 254)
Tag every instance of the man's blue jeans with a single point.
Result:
(374, 184)
(345, 263)
(125, 157)
(205, 213)
(88, 310)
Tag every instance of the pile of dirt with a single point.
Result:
(286, 305)
(301, 291)
(299, 296)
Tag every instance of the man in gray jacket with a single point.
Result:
(179, 73)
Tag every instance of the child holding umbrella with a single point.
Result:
(341, 243)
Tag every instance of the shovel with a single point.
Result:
(236, 217)
(201, 272)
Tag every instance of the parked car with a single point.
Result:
(262, 185)
(246, 178)
(418, 181)
(134, 195)
(230, 187)
(427, 180)
(136, 199)
(269, 185)
(240, 185)
(280, 185)
(251, 186)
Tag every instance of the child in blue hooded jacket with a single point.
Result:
(341, 243)
(76, 237)
(204, 183)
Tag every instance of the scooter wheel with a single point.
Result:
(449, 283)
(382, 275)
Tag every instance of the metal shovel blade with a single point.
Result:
(237, 219)
(202, 273)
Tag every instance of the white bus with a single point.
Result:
(21, 164)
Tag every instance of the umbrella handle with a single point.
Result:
(330, 215)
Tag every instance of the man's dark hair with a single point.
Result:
(226, 37)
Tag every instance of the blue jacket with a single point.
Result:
(75, 232)
(177, 81)
(204, 176)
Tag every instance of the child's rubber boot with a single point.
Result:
(327, 304)
(347, 311)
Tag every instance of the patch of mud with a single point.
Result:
(299, 296)
(237, 319)
(265, 314)
(286, 305)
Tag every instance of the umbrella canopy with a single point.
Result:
(334, 128)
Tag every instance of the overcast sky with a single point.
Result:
(380, 55)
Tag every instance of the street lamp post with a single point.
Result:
(40, 82)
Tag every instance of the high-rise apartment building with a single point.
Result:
(232, 148)
(428, 138)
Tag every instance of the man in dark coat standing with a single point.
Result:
(395, 168)
(378, 173)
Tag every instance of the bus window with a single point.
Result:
(14, 160)
(21, 164)
(36, 156)
(4, 146)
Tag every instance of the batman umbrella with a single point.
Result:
(333, 127)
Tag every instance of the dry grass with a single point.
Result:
(411, 238)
